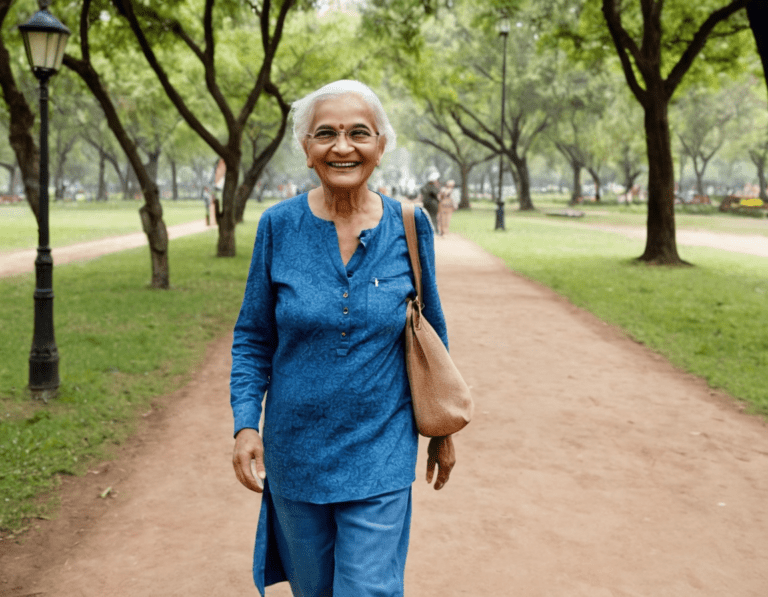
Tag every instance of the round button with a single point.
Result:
(343, 334)
(346, 294)
(346, 310)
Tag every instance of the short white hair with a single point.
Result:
(303, 110)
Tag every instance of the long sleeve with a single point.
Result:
(255, 336)
(433, 309)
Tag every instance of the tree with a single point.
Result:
(95, 133)
(759, 157)
(151, 213)
(625, 123)
(645, 54)
(583, 98)
(751, 128)
(154, 20)
(455, 146)
(703, 116)
(531, 104)
(757, 13)
(21, 120)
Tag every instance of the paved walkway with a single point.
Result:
(593, 468)
(19, 262)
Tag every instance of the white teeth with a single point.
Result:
(343, 164)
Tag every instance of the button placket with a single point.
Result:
(345, 322)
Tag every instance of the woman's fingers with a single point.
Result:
(248, 460)
(441, 454)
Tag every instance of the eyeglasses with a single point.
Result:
(355, 136)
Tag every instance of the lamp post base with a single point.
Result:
(499, 216)
(44, 375)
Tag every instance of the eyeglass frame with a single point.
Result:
(336, 134)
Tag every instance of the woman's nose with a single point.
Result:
(342, 143)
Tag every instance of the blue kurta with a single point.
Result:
(325, 342)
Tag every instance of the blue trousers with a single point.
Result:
(345, 549)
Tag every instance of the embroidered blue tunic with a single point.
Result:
(325, 342)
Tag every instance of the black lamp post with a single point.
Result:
(504, 33)
(44, 39)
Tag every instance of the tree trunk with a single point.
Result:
(576, 193)
(596, 181)
(464, 200)
(127, 181)
(226, 243)
(682, 169)
(523, 183)
(101, 194)
(699, 182)
(12, 180)
(661, 245)
(63, 148)
(157, 235)
(153, 162)
(174, 181)
(759, 161)
(241, 198)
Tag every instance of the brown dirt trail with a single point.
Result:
(593, 468)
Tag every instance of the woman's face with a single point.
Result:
(343, 164)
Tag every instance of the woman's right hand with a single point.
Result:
(249, 447)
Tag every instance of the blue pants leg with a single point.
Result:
(345, 549)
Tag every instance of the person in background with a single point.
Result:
(320, 331)
(430, 199)
(447, 206)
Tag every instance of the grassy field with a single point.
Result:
(78, 222)
(123, 344)
(690, 217)
(120, 344)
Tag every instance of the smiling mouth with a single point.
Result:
(343, 164)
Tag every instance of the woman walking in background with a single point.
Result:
(447, 206)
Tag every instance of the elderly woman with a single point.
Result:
(320, 332)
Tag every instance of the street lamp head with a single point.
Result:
(45, 38)
(504, 25)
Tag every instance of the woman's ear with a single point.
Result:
(382, 146)
(310, 161)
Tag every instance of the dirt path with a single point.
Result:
(19, 262)
(750, 244)
(593, 468)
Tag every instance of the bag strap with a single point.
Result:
(411, 236)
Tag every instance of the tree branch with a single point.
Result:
(697, 43)
(125, 7)
(624, 43)
(270, 49)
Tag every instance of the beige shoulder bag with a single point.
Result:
(442, 404)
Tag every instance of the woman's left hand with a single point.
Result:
(442, 454)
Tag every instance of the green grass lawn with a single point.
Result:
(692, 217)
(709, 319)
(122, 344)
(72, 222)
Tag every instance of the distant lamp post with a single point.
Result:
(44, 39)
(504, 28)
